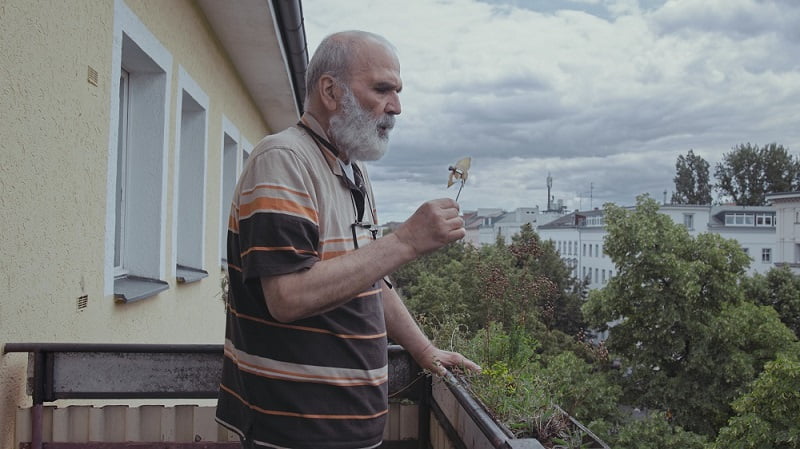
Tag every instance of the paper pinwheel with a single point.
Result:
(459, 171)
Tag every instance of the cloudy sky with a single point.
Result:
(602, 94)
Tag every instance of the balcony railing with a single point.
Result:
(425, 412)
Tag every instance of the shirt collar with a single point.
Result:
(334, 163)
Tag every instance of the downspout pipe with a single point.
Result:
(289, 17)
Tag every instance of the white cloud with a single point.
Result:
(606, 93)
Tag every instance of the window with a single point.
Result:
(595, 221)
(590, 250)
(247, 148)
(596, 277)
(739, 219)
(584, 250)
(688, 221)
(766, 255)
(765, 220)
(603, 276)
(120, 189)
(231, 158)
(191, 182)
(137, 161)
(596, 250)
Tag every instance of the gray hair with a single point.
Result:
(335, 56)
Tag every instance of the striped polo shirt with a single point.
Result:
(319, 382)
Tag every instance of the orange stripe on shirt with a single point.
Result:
(279, 205)
(263, 371)
(305, 328)
(278, 248)
(337, 240)
(327, 255)
(298, 415)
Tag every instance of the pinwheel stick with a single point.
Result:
(459, 191)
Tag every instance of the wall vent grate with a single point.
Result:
(92, 76)
(83, 302)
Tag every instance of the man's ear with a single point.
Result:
(329, 92)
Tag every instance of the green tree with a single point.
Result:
(747, 173)
(578, 388)
(683, 330)
(767, 416)
(655, 431)
(692, 182)
(562, 309)
(779, 288)
(522, 284)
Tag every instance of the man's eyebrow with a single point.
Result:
(385, 85)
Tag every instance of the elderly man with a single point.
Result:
(310, 310)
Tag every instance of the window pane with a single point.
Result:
(119, 203)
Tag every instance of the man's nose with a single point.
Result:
(393, 105)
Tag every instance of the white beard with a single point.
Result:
(358, 135)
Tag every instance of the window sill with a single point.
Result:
(187, 275)
(133, 288)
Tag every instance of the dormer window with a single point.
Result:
(765, 220)
(739, 219)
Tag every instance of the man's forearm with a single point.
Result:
(330, 283)
(401, 327)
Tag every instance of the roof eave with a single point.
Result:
(268, 50)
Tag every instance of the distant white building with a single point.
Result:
(486, 224)
(578, 237)
(787, 248)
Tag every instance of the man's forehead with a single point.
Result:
(377, 63)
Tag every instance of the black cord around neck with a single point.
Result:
(319, 138)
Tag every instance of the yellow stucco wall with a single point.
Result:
(53, 179)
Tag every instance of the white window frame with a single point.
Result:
(149, 67)
(190, 180)
(765, 220)
(230, 169)
(766, 255)
(120, 187)
(688, 221)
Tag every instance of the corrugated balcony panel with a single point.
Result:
(120, 423)
(115, 418)
(150, 419)
(22, 426)
(402, 422)
(157, 423)
(184, 423)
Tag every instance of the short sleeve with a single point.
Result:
(277, 219)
